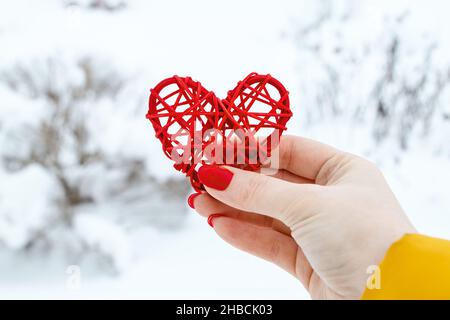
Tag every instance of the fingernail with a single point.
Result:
(212, 217)
(215, 177)
(191, 198)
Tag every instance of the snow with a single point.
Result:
(139, 239)
(105, 236)
(192, 263)
(22, 213)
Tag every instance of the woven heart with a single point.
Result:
(195, 127)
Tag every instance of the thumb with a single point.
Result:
(256, 192)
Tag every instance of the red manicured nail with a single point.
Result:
(191, 198)
(212, 217)
(215, 177)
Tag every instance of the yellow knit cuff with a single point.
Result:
(415, 267)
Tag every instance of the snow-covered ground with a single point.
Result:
(124, 220)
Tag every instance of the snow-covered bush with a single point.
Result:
(108, 5)
(377, 66)
(73, 175)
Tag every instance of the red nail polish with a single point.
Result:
(215, 177)
(191, 198)
(212, 217)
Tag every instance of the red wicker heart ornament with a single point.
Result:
(195, 127)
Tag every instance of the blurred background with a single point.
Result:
(91, 208)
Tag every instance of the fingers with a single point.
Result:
(206, 205)
(303, 157)
(254, 192)
(287, 176)
(261, 242)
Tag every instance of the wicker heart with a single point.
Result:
(195, 127)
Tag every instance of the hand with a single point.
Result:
(325, 216)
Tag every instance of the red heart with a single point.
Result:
(195, 127)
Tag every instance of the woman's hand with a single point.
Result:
(325, 216)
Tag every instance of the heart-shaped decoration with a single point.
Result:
(195, 127)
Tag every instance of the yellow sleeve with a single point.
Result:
(415, 267)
